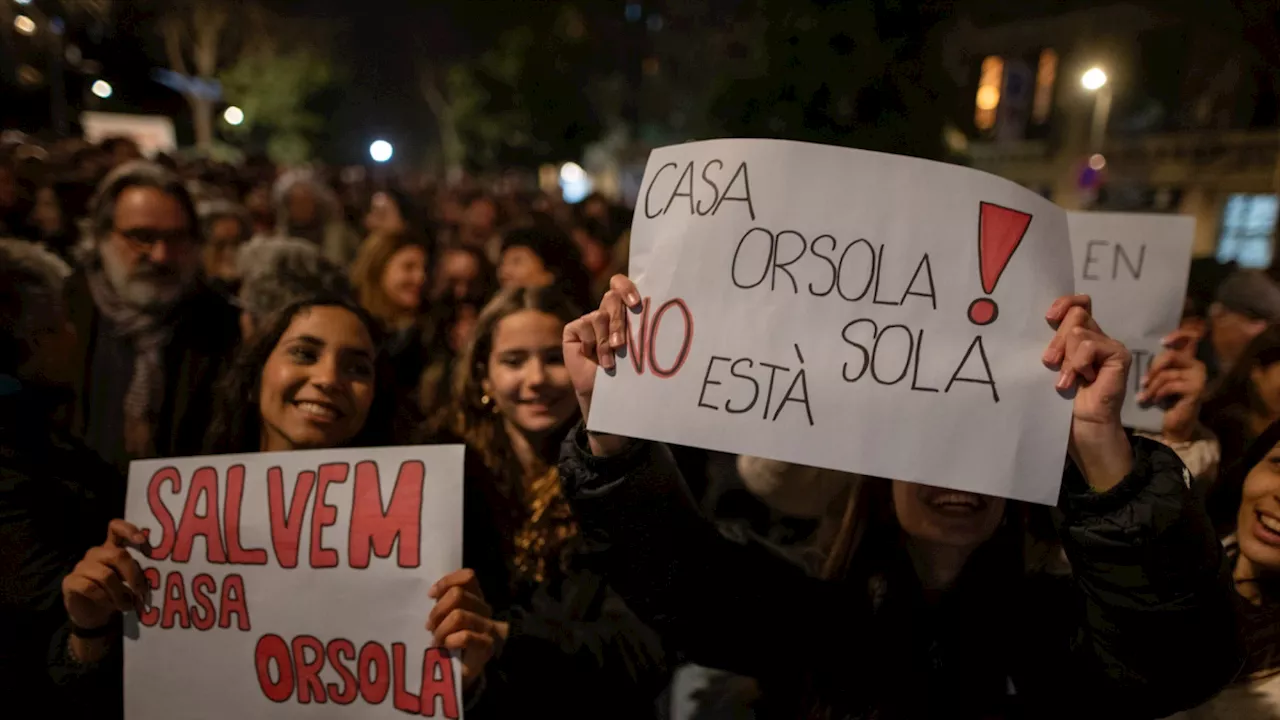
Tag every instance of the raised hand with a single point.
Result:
(1176, 375)
(593, 341)
(1095, 368)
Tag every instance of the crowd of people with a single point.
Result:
(162, 308)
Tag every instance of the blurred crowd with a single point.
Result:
(165, 308)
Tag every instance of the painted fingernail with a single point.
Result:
(616, 339)
(1064, 380)
(633, 299)
(139, 538)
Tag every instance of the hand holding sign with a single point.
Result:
(1097, 367)
(1176, 376)
(592, 342)
(462, 620)
(108, 580)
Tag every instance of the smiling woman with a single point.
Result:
(570, 645)
(1245, 507)
(313, 379)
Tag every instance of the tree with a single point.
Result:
(862, 73)
(519, 102)
(272, 85)
(196, 28)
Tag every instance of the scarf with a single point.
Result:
(145, 329)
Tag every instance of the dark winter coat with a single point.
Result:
(575, 650)
(1142, 628)
(205, 337)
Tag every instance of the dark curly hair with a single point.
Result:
(237, 421)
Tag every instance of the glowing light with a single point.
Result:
(24, 25)
(1097, 161)
(23, 2)
(102, 89)
(1093, 78)
(988, 98)
(381, 151)
(575, 183)
(233, 115)
(572, 172)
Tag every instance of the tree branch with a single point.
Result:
(209, 18)
(171, 29)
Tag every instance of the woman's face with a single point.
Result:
(1258, 524)
(1266, 383)
(459, 274)
(384, 216)
(317, 385)
(405, 277)
(301, 203)
(221, 247)
(482, 215)
(939, 516)
(521, 267)
(526, 376)
(47, 213)
(594, 253)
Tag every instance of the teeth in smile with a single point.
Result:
(317, 410)
(1269, 523)
(964, 499)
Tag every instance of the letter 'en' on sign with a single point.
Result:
(845, 309)
(294, 585)
(1135, 266)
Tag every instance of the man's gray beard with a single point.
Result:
(140, 292)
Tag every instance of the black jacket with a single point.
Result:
(574, 649)
(1144, 627)
(205, 336)
(56, 499)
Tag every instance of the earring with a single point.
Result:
(485, 399)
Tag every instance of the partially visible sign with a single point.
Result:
(153, 133)
(1135, 266)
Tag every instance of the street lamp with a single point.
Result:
(1093, 78)
(233, 115)
(1095, 81)
(381, 151)
(101, 88)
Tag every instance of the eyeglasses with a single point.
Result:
(144, 239)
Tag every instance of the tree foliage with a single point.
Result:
(519, 102)
(272, 86)
(859, 73)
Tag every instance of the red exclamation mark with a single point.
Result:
(1000, 231)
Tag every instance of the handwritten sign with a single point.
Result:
(1135, 267)
(845, 309)
(294, 585)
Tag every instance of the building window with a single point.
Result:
(1046, 73)
(1247, 223)
(988, 97)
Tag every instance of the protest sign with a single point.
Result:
(1135, 267)
(845, 309)
(294, 585)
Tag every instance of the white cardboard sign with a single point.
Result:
(294, 585)
(845, 309)
(1135, 266)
